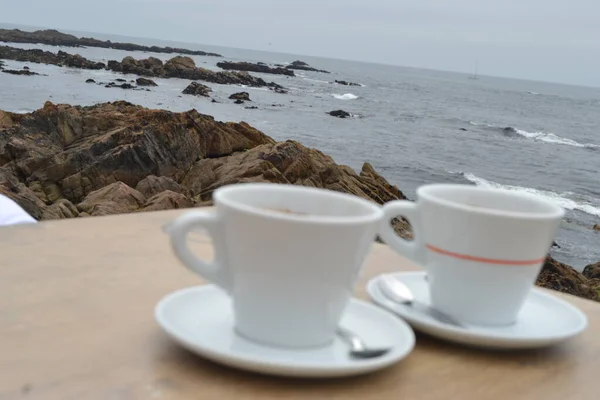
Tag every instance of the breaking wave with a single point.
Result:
(565, 200)
(347, 96)
(545, 137)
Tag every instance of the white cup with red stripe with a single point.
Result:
(482, 248)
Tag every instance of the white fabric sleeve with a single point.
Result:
(11, 213)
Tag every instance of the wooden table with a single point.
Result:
(76, 322)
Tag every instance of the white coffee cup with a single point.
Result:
(290, 275)
(482, 248)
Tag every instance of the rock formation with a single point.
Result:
(301, 65)
(245, 96)
(250, 67)
(184, 68)
(345, 83)
(197, 89)
(67, 161)
(61, 58)
(177, 67)
(56, 38)
(563, 278)
(25, 72)
(340, 114)
(145, 82)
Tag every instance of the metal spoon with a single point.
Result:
(358, 348)
(398, 292)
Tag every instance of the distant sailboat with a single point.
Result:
(474, 76)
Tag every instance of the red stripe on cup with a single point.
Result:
(483, 259)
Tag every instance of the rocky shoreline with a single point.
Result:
(65, 161)
(182, 67)
(55, 38)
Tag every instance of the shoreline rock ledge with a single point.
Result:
(65, 161)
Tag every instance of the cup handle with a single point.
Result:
(178, 231)
(414, 249)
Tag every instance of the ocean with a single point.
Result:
(415, 126)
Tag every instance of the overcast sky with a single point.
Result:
(551, 40)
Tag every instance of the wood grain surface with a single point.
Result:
(76, 322)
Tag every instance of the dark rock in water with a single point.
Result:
(145, 82)
(239, 101)
(340, 114)
(213, 101)
(1, 64)
(276, 105)
(554, 244)
(61, 58)
(279, 65)
(259, 67)
(120, 80)
(462, 129)
(184, 68)
(278, 90)
(197, 89)
(596, 227)
(25, 72)
(240, 96)
(301, 65)
(251, 108)
(26, 67)
(90, 81)
(592, 271)
(298, 63)
(56, 38)
(347, 83)
(122, 86)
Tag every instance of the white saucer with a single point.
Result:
(200, 319)
(543, 321)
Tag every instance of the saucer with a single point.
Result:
(544, 319)
(200, 319)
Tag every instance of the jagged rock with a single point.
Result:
(115, 198)
(596, 227)
(250, 67)
(240, 96)
(197, 89)
(563, 278)
(56, 38)
(592, 271)
(120, 142)
(167, 200)
(63, 208)
(90, 81)
(340, 114)
(153, 185)
(145, 82)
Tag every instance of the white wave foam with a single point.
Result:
(552, 138)
(347, 96)
(559, 199)
(541, 136)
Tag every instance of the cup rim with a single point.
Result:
(374, 213)
(552, 211)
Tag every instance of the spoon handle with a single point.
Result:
(435, 313)
(356, 343)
